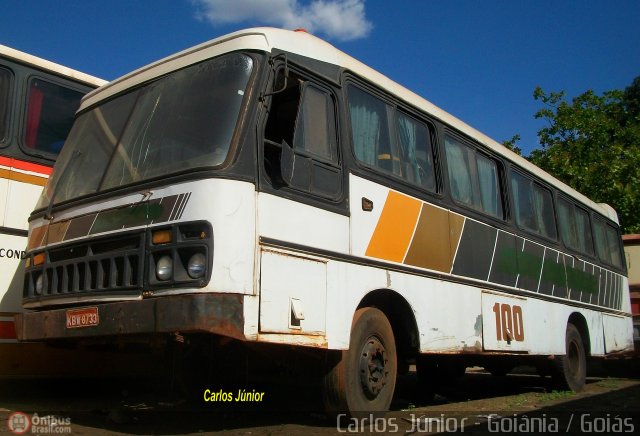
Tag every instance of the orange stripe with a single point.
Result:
(22, 177)
(7, 330)
(395, 227)
(26, 166)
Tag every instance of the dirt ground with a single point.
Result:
(479, 403)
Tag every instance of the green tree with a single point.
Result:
(592, 143)
(512, 144)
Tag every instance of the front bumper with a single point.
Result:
(203, 313)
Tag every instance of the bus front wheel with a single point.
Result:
(571, 369)
(363, 378)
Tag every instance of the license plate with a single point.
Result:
(86, 317)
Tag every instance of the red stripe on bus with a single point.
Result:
(7, 330)
(26, 166)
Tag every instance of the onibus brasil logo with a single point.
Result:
(21, 423)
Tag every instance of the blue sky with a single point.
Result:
(479, 60)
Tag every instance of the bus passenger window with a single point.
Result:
(370, 131)
(567, 224)
(607, 245)
(533, 207)
(583, 231)
(50, 113)
(523, 203)
(459, 169)
(489, 186)
(416, 150)
(474, 179)
(5, 82)
(575, 230)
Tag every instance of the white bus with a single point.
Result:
(38, 100)
(267, 188)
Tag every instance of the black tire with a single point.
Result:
(363, 378)
(570, 370)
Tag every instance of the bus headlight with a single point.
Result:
(164, 268)
(197, 266)
(39, 284)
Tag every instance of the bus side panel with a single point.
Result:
(618, 333)
(21, 199)
(11, 272)
(293, 287)
(447, 314)
(19, 192)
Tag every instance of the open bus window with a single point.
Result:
(50, 112)
(5, 83)
(302, 116)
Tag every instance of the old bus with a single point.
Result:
(38, 100)
(268, 188)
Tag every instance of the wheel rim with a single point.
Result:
(373, 367)
(573, 356)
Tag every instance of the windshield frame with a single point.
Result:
(249, 100)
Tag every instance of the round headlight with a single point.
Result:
(39, 284)
(197, 266)
(164, 268)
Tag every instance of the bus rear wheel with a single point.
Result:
(570, 370)
(363, 378)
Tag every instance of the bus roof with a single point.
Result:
(43, 64)
(300, 42)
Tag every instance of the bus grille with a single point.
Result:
(102, 265)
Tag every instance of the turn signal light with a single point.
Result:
(161, 237)
(38, 259)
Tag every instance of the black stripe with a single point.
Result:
(332, 255)
(184, 206)
(13, 231)
(177, 207)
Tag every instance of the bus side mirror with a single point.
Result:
(287, 163)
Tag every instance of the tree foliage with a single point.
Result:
(512, 144)
(592, 143)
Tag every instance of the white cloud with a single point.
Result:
(340, 19)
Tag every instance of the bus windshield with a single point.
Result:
(181, 121)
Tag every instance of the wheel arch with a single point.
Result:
(401, 317)
(579, 321)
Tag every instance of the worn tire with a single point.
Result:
(570, 370)
(363, 378)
